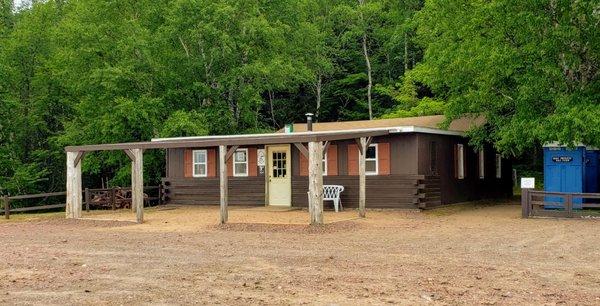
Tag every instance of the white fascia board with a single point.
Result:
(391, 130)
(418, 129)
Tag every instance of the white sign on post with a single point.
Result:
(527, 182)
(260, 157)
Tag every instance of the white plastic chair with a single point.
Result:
(333, 193)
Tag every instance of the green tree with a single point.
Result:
(531, 67)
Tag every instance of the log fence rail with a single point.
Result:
(87, 201)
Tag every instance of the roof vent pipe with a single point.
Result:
(309, 121)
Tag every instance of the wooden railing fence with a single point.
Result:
(537, 203)
(87, 200)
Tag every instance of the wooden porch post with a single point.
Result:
(223, 183)
(315, 183)
(74, 194)
(137, 184)
(362, 178)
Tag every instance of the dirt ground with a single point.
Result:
(468, 254)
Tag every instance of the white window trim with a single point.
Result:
(194, 163)
(236, 162)
(498, 166)
(460, 151)
(325, 164)
(376, 159)
(481, 168)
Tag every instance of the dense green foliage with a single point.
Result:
(86, 71)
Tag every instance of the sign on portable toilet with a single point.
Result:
(564, 171)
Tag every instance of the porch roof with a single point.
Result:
(235, 140)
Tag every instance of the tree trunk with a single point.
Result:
(370, 85)
(318, 86)
(367, 61)
(271, 97)
(405, 52)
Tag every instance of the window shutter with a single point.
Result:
(187, 163)
(252, 166)
(352, 159)
(332, 160)
(211, 163)
(384, 158)
(230, 166)
(303, 164)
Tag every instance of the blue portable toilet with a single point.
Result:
(591, 170)
(565, 171)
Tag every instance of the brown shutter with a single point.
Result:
(332, 160)
(352, 159)
(303, 164)
(230, 166)
(384, 158)
(211, 163)
(187, 163)
(252, 167)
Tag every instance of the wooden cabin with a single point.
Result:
(415, 165)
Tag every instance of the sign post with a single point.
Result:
(527, 184)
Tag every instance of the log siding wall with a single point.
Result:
(411, 183)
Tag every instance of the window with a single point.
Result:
(240, 162)
(481, 157)
(371, 163)
(460, 161)
(199, 161)
(325, 163)
(498, 166)
(433, 168)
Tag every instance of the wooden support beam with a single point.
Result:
(223, 215)
(137, 184)
(88, 199)
(326, 147)
(230, 152)
(360, 145)
(78, 158)
(301, 148)
(129, 154)
(6, 207)
(74, 192)
(315, 183)
(362, 177)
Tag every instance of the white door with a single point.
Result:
(280, 175)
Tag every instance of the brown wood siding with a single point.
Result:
(471, 188)
(332, 160)
(383, 156)
(390, 191)
(252, 167)
(187, 163)
(352, 159)
(175, 163)
(303, 163)
(205, 191)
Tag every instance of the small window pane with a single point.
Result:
(200, 156)
(240, 168)
(200, 169)
(240, 156)
(371, 166)
(371, 152)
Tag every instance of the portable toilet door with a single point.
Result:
(591, 171)
(564, 171)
